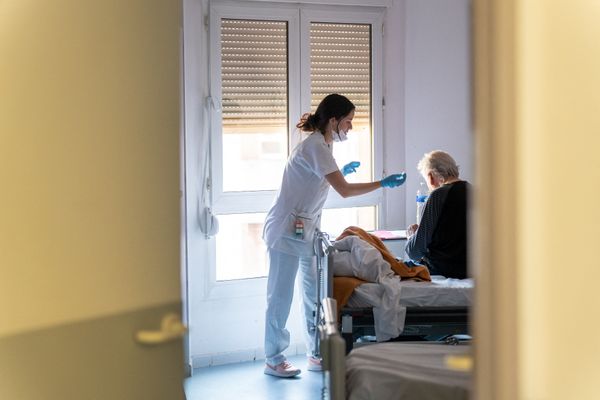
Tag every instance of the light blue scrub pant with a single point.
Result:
(280, 290)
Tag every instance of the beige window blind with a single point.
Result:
(340, 57)
(254, 75)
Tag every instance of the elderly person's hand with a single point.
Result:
(411, 230)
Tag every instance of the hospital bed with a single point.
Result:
(433, 311)
(399, 371)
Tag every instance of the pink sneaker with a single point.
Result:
(282, 370)
(314, 364)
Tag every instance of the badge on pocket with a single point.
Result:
(299, 229)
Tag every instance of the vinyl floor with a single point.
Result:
(247, 381)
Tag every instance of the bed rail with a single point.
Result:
(333, 353)
(323, 249)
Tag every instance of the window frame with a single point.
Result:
(362, 15)
(299, 18)
(247, 201)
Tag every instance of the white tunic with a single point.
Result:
(301, 196)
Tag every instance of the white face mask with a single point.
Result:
(340, 136)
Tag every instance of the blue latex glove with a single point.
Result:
(350, 167)
(393, 180)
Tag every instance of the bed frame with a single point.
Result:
(345, 376)
(421, 323)
(333, 353)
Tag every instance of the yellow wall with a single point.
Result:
(558, 139)
(89, 158)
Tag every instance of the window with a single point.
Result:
(254, 92)
(273, 63)
(340, 62)
(249, 258)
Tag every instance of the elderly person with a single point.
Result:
(440, 241)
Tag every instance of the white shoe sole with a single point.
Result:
(314, 367)
(272, 372)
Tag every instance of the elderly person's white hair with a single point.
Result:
(440, 164)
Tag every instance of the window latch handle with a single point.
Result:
(213, 103)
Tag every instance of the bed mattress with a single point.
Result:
(406, 371)
(440, 292)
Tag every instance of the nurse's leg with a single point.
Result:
(308, 275)
(280, 291)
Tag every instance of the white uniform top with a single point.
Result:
(301, 196)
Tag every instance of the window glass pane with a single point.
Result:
(340, 57)
(335, 220)
(254, 80)
(241, 252)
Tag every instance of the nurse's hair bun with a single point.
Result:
(308, 122)
(332, 106)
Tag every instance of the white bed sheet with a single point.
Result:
(406, 371)
(389, 318)
(440, 292)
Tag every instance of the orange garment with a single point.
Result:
(343, 286)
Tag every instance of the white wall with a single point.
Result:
(437, 87)
(432, 37)
(394, 159)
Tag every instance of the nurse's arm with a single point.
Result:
(346, 189)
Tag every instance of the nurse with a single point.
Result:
(290, 225)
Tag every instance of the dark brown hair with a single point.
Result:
(334, 105)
